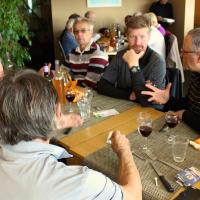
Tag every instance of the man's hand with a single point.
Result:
(180, 114)
(157, 95)
(132, 58)
(128, 175)
(70, 120)
(120, 144)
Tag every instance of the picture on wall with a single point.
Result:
(104, 3)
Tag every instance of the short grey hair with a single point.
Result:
(27, 107)
(195, 36)
(84, 20)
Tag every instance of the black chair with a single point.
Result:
(173, 75)
(62, 50)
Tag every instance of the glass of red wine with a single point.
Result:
(145, 127)
(70, 95)
(171, 119)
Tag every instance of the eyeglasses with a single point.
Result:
(81, 31)
(182, 51)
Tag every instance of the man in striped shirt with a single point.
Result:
(189, 107)
(87, 62)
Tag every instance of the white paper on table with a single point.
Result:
(105, 113)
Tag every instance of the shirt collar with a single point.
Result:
(87, 48)
(33, 149)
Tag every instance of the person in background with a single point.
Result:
(87, 62)
(91, 15)
(156, 40)
(126, 19)
(74, 16)
(162, 9)
(27, 158)
(154, 22)
(188, 109)
(138, 13)
(129, 70)
(68, 40)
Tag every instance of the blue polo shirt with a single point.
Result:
(30, 170)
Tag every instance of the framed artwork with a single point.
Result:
(104, 3)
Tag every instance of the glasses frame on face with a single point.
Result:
(83, 31)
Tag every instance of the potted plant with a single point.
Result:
(14, 35)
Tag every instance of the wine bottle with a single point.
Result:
(47, 73)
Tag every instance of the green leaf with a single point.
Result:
(13, 27)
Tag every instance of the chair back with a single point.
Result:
(173, 59)
(62, 50)
(173, 75)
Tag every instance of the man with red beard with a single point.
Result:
(131, 68)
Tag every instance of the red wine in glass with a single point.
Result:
(70, 96)
(144, 127)
(172, 122)
(171, 119)
(145, 130)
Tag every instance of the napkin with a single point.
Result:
(105, 113)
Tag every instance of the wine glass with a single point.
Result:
(171, 119)
(145, 127)
(70, 95)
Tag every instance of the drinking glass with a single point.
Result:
(171, 120)
(70, 95)
(145, 127)
(88, 94)
(179, 148)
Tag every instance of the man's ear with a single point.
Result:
(58, 111)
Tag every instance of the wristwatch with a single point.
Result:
(135, 69)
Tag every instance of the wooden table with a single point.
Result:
(92, 137)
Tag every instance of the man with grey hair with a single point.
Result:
(189, 107)
(87, 62)
(132, 67)
(67, 38)
(91, 15)
(28, 163)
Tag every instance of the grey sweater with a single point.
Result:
(119, 81)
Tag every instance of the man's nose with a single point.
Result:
(137, 41)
